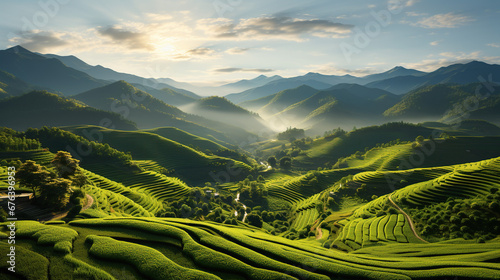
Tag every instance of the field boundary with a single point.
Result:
(407, 217)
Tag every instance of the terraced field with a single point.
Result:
(305, 212)
(186, 138)
(106, 189)
(40, 156)
(297, 188)
(149, 183)
(152, 248)
(186, 161)
(359, 233)
(466, 180)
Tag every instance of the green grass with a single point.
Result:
(148, 261)
(60, 237)
(146, 183)
(135, 247)
(466, 180)
(189, 139)
(120, 195)
(172, 155)
(29, 264)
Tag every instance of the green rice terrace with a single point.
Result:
(141, 205)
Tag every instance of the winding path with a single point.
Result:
(90, 201)
(237, 199)
(407, 217)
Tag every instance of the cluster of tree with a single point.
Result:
(252, 190)
(296, 148)
(469, 218)
(206, 204)
(334, 133)
(284, 163)
(11, 140)
(52, 188)
(197, 204)
(56, 139)
(291, 134)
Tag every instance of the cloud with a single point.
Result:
(234, 69)
(197, 52)
(237, 50)
(415, 14)
(275, 27)
(434, 43)
(200, 51)
(449, 20)
(40, 41)
(493, 45)
(400, 4)
(133, 40)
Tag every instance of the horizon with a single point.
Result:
(218, 42)
(220, 83)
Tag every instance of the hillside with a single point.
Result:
(10, 85)
(394, 72)
(222, 110)
(273, 87)
(41, 108)
(150, 112)
(444, 101)
(141, 218)
(343, 105)
(187, 163)
(245, 84)
(327, 150)
(100, 72)
(48, 73)
(189, 139)
(454, 74)
(279, 101)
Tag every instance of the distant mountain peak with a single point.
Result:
(312, 74)
(18, 49)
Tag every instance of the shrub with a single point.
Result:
(494, 206)
(75, 210)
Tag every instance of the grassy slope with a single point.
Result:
(189, 139)
(327, 149)
(149, 112)
(38, 108)
(187, 162)
(187, 248)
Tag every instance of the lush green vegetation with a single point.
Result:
(41, 108)
(283, 222)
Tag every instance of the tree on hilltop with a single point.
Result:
(33, 176)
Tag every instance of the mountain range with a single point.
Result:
(313, 101)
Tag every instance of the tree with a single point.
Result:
(185, 211)
(32, 175)
(272, 162)
(65, 164)
(55, 193)
(254, 219)
(286, 162)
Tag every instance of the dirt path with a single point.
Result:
(319, 232)
(244, 207)
(90, 201)
(407, 217)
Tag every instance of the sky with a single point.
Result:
(217, 41)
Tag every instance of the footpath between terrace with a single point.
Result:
(407, 218)
(90, 201)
